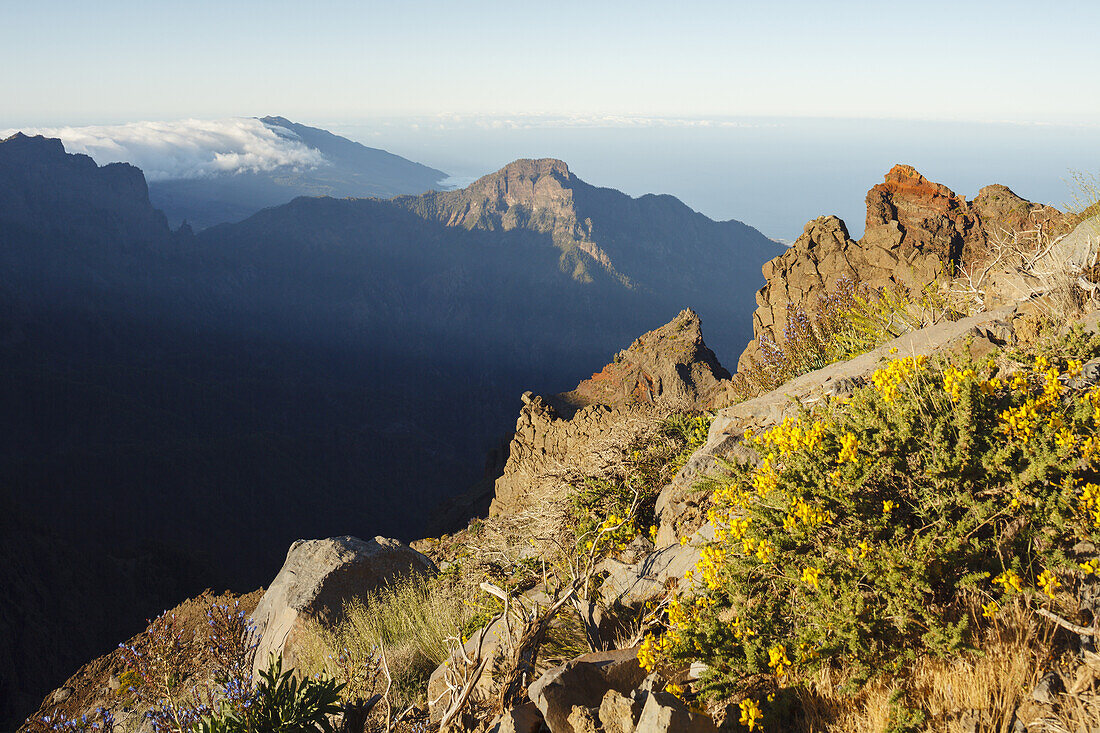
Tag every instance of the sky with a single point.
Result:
(113, 61)
(767, 112)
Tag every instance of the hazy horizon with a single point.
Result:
(771, 114)
(774, 173)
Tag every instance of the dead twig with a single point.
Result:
(1067, 625)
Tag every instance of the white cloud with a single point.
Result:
(188, 148)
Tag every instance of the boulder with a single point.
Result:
(619, 713)
(317, 579)
(583, 682)
(650, 579)
(584, 720)
(664, 713)
(522, 719)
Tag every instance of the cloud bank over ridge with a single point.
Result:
(188, 148)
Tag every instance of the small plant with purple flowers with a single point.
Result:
(183, 675)
(102, 721)
(849, 319)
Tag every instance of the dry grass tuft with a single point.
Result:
(412, 618)
(986, 691)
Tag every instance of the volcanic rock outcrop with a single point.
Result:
(916, 231)
(668, 369)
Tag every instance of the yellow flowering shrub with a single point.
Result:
(885, 527)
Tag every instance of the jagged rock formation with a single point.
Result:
(317, 579)
(45, 191)
(916, 231)
(668, 369)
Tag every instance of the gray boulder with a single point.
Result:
(664, 713)
(619, 713)
(583, 682)
(318, 578)
(522, 719)
(635, 584)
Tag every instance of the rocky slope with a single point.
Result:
(917, 231)
(671, 369)
(668, 369)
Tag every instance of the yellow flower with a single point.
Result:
(647, 654)
(1065, 439)
(1049, 583)
(888, 379)
(777, 659)
(750, 713)
(848, 444)
(811, 576)
(953, 381)
(888, 506)
(990, 610)
(764, 551)
(1010, 581)
(1020, 422)
(1074, 367)
(1092, 567)
(675, 689)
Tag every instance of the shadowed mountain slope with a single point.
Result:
(325, 367)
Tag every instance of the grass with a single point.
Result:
(411, 619)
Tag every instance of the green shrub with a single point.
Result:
(894, 524)
(281, 704)
(627, 494)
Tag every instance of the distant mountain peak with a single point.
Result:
(38, 143)
(533, 168)
(542, 184)
(323, 164)
(598, 231)
(276, 120)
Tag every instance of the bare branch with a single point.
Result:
(1068, 626)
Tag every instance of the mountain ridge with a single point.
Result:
(351, 169)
